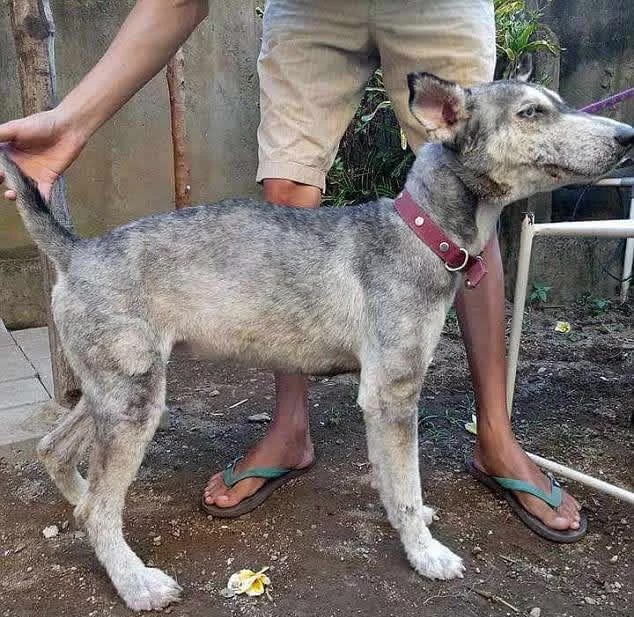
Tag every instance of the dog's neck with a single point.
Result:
(464, 205)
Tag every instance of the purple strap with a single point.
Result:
(611, 101)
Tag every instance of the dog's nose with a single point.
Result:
(625, 136)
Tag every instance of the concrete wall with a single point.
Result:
(125, 171)
(598, 56)
(597, 61)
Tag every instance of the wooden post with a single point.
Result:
(175, 75)
(176, 85)
(34, 32)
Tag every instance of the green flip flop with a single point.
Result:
(505, 488)
(275, 478)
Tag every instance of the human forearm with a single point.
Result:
(150, 35)
(45, 144)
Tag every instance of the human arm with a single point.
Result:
(45, 144)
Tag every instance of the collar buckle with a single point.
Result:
(475, 272)
(462, 265)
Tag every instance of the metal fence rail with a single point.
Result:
(619, 228)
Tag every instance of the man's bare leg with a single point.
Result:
(481, 315)
(287, 443)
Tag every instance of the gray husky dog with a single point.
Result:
(312, 291)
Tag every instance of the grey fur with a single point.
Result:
(313, 291)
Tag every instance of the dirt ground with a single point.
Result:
(325, 538)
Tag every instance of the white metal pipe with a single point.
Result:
(606, 229)
(615, 228)
(628, 258)
(615, 182)
(577, 476)
(622, 226)
(519, 299)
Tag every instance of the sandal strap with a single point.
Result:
(231, 478)
(553, 499)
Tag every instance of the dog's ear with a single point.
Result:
(524, 68)
(439, 105)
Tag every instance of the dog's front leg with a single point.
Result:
(390, 410)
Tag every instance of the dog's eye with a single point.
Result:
(531, 111)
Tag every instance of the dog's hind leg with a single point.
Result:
(126, 416)
(62, 449)
(389, 399)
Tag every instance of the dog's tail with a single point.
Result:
(51, 238)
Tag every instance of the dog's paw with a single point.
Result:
(149, 589)
(437, 561)
(429, 515)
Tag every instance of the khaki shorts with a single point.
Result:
(317, 56)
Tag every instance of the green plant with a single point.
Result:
(334, 417)
(598, 306)
(451, 321)
(518, 35)
(540, 293)
(373, 158)
(424, 414)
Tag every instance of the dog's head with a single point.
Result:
(515, 137)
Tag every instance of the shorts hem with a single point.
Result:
(302, 174)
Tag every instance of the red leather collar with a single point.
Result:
(456, 258)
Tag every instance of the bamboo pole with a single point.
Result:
(175, 75)
(176, 85)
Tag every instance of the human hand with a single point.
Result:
(43, 146)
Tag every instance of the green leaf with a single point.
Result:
(381, 105)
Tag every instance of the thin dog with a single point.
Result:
(312, 291)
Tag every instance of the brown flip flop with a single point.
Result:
(275, 476)
(504, 488)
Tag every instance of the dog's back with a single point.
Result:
(274, 287)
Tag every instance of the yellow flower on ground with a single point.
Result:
(563, 327)
(472, 427)
(248, 582)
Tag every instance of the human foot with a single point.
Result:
(278, 449)
(504, 457)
